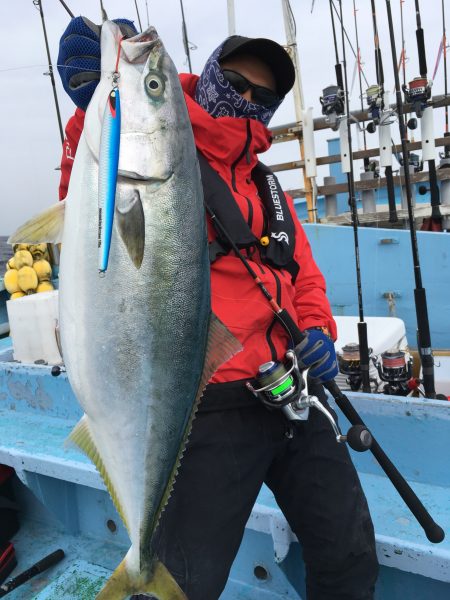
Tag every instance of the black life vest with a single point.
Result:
(279, 252)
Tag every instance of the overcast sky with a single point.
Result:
(30, 146)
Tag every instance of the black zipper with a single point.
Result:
(245, 152)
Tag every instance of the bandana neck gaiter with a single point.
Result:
(219, 98)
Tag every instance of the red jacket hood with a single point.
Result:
(222, 139)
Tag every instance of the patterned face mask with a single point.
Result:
(219, 98)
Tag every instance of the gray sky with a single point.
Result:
(30, 146)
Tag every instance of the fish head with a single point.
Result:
(153, 109)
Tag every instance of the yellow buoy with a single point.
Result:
(11, 281)
(27, 279)
(23, 258)
(38, 250)
(43, 270)
(17, 247)
(11, 264)
(45, 286)
(17, 295)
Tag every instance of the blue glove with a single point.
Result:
(317, 352)
(79, 57)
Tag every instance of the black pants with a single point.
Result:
(231, 452)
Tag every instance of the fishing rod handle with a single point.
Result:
(433, 531)
(42, 565)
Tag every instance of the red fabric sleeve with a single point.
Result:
(310, 301)
(73, 130)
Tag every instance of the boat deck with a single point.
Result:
(65, 504)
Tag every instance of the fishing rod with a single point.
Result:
(444, 49)
(138, 15)
(359, 437)
(185, 37)
(418, 92)
(423, 325)
(341, 106)
(378, 100)
(39, 567)
(38, 4)
(67, 8)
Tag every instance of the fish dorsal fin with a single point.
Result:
(48, 226)
(220, 347)
(82, 437)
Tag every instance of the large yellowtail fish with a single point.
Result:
(140, 342)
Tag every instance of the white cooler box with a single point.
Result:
(33, 322)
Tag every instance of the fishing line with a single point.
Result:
(346, 35)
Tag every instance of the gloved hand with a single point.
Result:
(317, 352)
(79, 57)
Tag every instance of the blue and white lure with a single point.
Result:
(107, 172)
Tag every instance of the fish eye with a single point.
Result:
(154, 85)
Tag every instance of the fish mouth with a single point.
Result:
(138, 47)
(133, 175)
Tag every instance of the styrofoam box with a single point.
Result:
(33, 320)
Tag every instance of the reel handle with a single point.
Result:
(359, 438)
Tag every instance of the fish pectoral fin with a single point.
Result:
(122, 584)
(130, 222)
(82, 437)
(47, 226)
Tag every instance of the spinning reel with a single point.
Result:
(374, 98)
(283, 386)
(417, 93)
(333, 108)
(395, 368)
(349, 362)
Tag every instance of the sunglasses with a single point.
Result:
(260, 95)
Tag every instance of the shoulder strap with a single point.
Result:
(279, 253)
(281, 228)
(218, 196)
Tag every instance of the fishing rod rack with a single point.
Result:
(294, 131)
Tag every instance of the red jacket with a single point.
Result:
(235, 298)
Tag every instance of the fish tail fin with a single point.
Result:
(123, 584)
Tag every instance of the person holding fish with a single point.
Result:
(237, 443)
